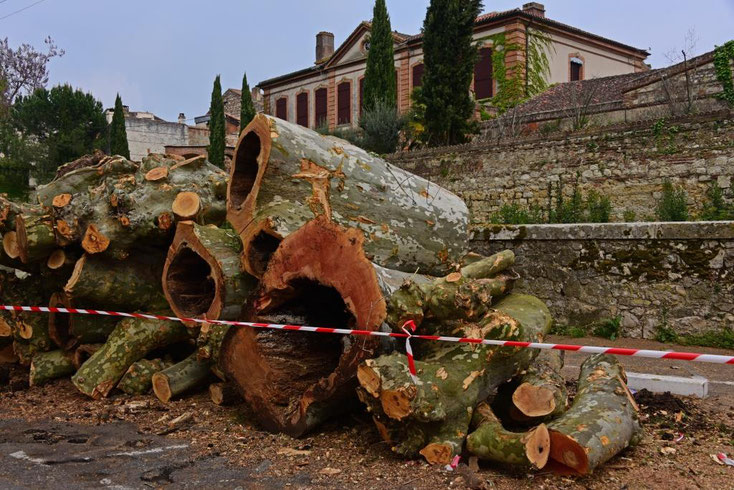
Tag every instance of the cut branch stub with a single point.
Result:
(284, 175)
(10, 245)
(186, 205)
(57, 259)
(35, 237)
(542, 389)
(155, 174)
(61, 200)
(293, 381)
(202, 276)
(94, 241)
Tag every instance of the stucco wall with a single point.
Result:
(150, 136)
(676, 275)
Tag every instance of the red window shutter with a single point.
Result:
(321, 106)
(483, 74)
(344, 110)
(575, 71)
(418, 75)
(281, 108)
(302, 109)
(361, 95)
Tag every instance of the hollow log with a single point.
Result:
(138, 379)
(180, 378)
(202, 277)
(35, 237)
(284, 175)
(492, 442)
(224, 394)
(602, 421)
(432, 417)
(131, 340)
(132, 284)
(47, 366)
(71, 330)
(542, 389)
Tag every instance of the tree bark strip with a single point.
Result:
(284, 175)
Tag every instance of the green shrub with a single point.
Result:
(381, 127)
(715, 208)
(673, 204)
(609, 329)
(723, 339)
(568, 331)
(629, 216)
(513, 214)
(599, 208)
(665, 334)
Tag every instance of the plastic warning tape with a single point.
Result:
(406, 334)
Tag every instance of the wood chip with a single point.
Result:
(289, 451)
(330, 471)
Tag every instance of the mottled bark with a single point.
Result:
(284, 175)
(47, 366)
(602, 421)
(131, 340)
(491, 441)
(542, 389)
(35, 237)
(209, 344)
(138, 379)
(10, 210)
(202, 277)
(132, 284)
(180, 378)
(432, 417)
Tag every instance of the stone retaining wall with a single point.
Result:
(678, 275)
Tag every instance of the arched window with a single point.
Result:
(577, 69)
(302, 109)
(281, 108)
(321, 107)
(344, 103)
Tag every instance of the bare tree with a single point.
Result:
(25, 69)
(509, 125)
(581, 96)
(678, 91)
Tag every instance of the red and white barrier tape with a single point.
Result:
(406, 334)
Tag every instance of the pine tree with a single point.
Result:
(118, 133)
(216, 126)
(379, 81)
(449, 56)
(247, 108)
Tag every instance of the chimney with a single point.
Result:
(324, 45)
(534, 8)
(181, 118)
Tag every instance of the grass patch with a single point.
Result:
(723, 338)
(608, 329)
(568, 331)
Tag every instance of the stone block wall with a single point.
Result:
(678, 275)
(627, 163)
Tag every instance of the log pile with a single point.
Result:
(305, 230)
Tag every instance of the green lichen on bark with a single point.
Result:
(180, 378)
(47, 366)
(138, 379)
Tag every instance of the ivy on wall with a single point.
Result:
(723, 56)
(512, 89)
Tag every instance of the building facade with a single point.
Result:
(329, 92)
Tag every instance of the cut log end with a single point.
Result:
(569, 457)
(437, 453)
(258, 251)
(56, 259)
(10, 245)
(534, 401)
(161, 387)
(156, 174)
(186, 205)
(396, 403)
(252, 149)
(61, 200)
(21, 238)
(537, 447)
(94, 241)
(369, 379)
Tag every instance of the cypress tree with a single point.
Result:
(247, 108)
(449, 56)
(216, 126)
(379, 81)
(118, 133)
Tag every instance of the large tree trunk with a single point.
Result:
(602, 421)
(542, 390)
(117, 205)
(284, 175)
(432, 417)
(202, 276)
(131, 340)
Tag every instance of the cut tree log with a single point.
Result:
(71, 330)
(180, 378)
(491, 441)
(224, 394)
(138, 379)
(602, 421)
(132, 284)
(209, 345)
(10, 245)
(131, 340)
(202, 277)
(542, 389)
(83, 352)
(47, 366)
(284, 175)
(432, 417)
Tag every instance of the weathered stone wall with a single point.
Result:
(680, 275)
(628, 163)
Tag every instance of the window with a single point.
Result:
(483, 74)
(577, 69)
(361, 95)
(344, 106)
(418, 75)
(281, 108)
(302, 109)
(322, 108)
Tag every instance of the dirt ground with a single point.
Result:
(221, 447)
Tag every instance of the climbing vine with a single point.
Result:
(723, 56)
(512, 89)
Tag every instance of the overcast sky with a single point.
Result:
(162, 55)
